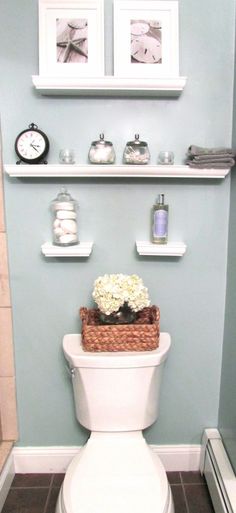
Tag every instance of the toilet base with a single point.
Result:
(114, 473)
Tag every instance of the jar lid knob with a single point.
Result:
(63, 195)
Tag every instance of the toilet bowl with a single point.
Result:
(116, 397)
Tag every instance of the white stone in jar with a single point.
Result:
(65, 214)
(69, 226)
(68, 238)
(58, 231)
(56, 223)
(63, 205)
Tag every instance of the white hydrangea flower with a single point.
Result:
(111, 291)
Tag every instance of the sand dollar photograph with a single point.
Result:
(72, 40)
(146, 42)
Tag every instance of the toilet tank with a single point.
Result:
(116, 391)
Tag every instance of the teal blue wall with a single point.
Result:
(190, 291)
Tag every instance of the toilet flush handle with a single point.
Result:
(71, 371)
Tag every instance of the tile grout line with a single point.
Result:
(29, 487)
(184, 493)
(173, 482)
(48, 495)
(189, 484)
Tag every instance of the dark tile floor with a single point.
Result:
(37, 493)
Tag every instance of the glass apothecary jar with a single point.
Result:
(101, 152)
(136, 152)
(64, 210)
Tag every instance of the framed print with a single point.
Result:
(71, 38)
(146, 38)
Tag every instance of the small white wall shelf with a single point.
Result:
(111, 171)
(109, 86)
(79, 250)
(171, 249)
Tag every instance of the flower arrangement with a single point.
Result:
(123, 319)
(113, 291)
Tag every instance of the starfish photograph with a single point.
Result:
(72, 40)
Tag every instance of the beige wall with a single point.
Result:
(8, 419)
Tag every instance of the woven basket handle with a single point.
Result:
(83, 312)
(155, 313)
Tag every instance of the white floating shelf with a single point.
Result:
(79, 250)
(172, 249)
(109, 86)
(111, 171)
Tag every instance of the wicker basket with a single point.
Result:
(142, 335)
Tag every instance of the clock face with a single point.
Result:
(31, 146)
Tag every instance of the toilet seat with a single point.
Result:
(113, 473)
(169, 506)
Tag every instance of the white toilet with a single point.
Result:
(116, 397)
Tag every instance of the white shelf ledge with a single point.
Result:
(111, 171)
(79, 250)
(171, 249)
(109, 86)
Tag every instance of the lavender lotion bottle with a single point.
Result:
(160, 221)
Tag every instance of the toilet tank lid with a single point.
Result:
(77, 357)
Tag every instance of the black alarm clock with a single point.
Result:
(32, 146)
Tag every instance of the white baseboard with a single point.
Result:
(185, 458)
(6, 478)
(43, 460)
(56, 459)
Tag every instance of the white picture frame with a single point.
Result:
(71, 38)
(146, 38)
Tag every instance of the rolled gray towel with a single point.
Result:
(198, 150)
(211, 158)
(211, 165)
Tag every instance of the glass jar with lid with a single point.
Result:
(101, 152)
(64, 209)
(136, 152)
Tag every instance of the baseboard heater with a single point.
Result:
(218, 472)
